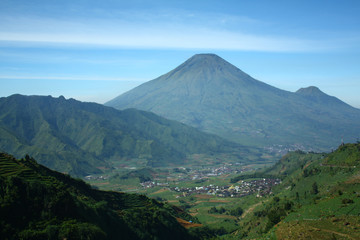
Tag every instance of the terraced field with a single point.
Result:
(10, 167)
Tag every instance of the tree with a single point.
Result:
(315, 189)
(213, 210)
(288, 205)
(237, 212)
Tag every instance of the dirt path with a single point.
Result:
(251, 209)
(187, 224)
(218, 201)
(308, 164)
(160, 191)
(353, 179)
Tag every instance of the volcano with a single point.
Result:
(215, 96)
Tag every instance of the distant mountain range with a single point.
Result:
(82, 138)
(212, 95)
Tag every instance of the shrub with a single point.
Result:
(347, 201)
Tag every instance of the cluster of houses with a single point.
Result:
(260, 187)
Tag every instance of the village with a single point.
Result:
(200, 178)
(261, 187)
(183, 174)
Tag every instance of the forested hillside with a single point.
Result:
(38, 203)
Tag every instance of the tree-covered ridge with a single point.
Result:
(81, 138)
(319, 197)
(38, 203)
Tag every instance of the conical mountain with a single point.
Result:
(213, 95)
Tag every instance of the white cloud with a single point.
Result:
(151, 31)
(76, 78)
(169, 39)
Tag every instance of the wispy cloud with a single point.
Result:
(153, 31)
(70, 78)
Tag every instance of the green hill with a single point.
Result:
(213, 95)
(319, 198)
(82, 138)
(38, 203)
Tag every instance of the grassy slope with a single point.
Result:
(37, 203)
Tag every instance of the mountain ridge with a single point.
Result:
(82, 138)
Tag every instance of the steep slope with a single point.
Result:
(213, 95)
(78, 138)
(38, 203)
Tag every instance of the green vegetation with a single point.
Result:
(319, 194)
(87, 138)
(144, 174)
(284, 167)
(316, 199)
(38, 203)
(346, 155)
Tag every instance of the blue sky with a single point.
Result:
(96, 50)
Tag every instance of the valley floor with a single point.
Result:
(318, 196)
